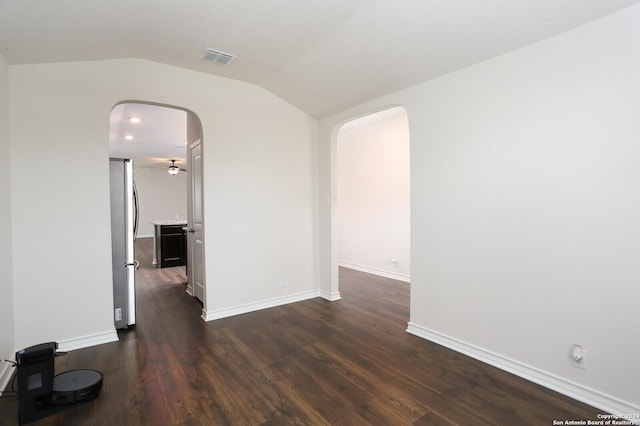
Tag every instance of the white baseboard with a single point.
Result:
(257, 306)
(600, 400)
(330, 296)
(6, 375)
(374, 271)
(87, 341)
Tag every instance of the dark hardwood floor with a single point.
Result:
(348, 362)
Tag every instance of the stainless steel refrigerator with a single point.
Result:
(124, 223)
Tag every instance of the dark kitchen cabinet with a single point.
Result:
(171, 245)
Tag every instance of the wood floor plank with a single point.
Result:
(309, 363)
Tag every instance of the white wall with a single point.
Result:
(161, 197)
(7, 344)
(373, 194)
(258, 177)
(525, 206)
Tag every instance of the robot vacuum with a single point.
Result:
(41, 393)
(75, 386)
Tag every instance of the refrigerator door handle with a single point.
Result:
(136, 211)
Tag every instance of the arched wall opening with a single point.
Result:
(157, 136)
(371, 215)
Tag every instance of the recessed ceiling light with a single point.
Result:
(134, 119)
(128, 137)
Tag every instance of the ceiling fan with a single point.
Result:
(173, 169)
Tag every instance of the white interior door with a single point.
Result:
(196, 234)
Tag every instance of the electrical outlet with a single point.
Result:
(283, 282)
(118, 314)
(578, 356)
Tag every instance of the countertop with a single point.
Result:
(168, 222)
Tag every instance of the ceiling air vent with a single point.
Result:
(216, 56)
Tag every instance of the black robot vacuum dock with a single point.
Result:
(40, 393)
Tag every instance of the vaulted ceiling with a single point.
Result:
(320, 55)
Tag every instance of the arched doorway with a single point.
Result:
(373, 195)
(158, 138)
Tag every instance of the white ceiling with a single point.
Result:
(320, 55)
(159, 137)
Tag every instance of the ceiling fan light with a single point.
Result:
(173, 170)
